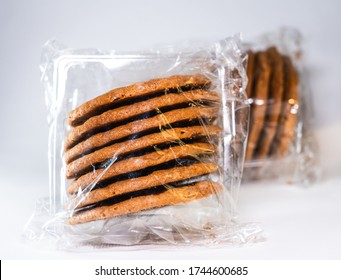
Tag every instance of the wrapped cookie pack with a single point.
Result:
(280, 142)
(144, 148)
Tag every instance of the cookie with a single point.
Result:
(156, 178)
(134, 93)
(136, 129)
(258, 107)
(276, 88)
(139, 163)
(169, 196)
(287, 122)
(123, 149)
(120, 116)
(250, 72)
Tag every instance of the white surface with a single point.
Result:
(298, 223)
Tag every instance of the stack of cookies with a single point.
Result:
(273, 93)
(143, 146)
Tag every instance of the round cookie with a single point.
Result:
(116, 97)
(274, 106)
(126, 114)
(156, 178)
(288, 119)
(170, 196)
(87, 162)
(144, 126)
(258, 107)
(250, 68)
(139, 163)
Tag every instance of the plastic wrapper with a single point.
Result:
(144, 148)
(281, 142)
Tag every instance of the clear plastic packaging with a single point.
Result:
(281, 142)
(144, 148)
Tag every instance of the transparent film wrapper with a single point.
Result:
(281, 143)
(144, 148)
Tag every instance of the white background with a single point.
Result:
(298, 222)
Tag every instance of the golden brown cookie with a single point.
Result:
(276, 88)
(134, 93)
(139, 163)
(258, 106)
(156, 178)
(136, 129)
(120, 116)
(88, 162)
(170, 196)
(287, 122)
(250, 73)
